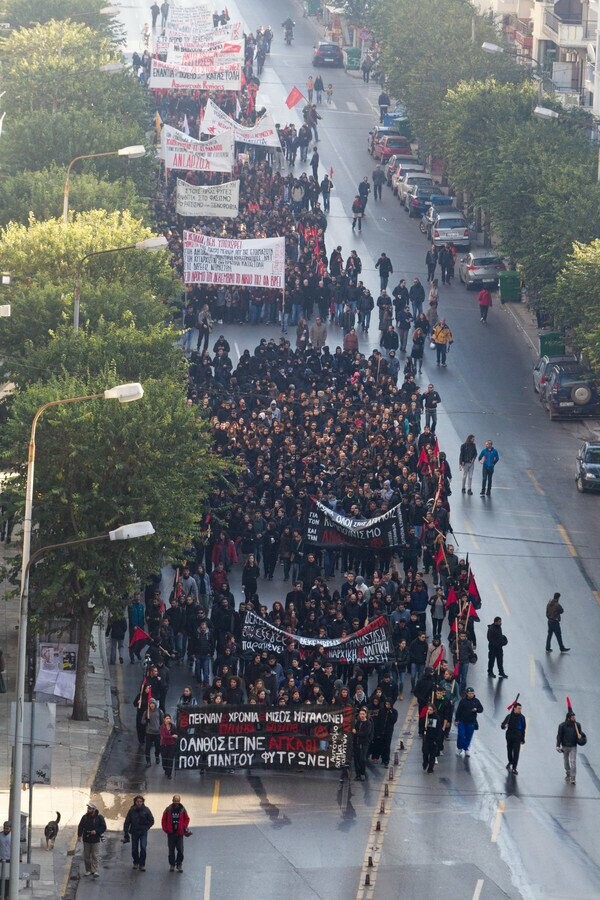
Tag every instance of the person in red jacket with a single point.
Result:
(484, 298)
(175, 823)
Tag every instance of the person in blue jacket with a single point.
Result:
(489, 456)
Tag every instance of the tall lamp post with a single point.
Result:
(149, 244)
(489, 47)
(134, 152)
(124, 393)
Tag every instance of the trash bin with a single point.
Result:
(510, 287)
(351, 57)
(552, 343)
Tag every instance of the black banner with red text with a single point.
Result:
(252, 736)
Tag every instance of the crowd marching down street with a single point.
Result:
(343, 489)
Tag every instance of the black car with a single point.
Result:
(587, 477)
(328, 55)
(571, 391)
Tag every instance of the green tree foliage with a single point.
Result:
(40, 194)
(23, 13)
(427, 49)
(41, 65)
(100, 465)
(70, 134)
(574, 301)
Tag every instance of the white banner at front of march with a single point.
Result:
(179, 151)
(199, 16)
(164, 76)
(220, 200)
(263, 134)
(249, 263)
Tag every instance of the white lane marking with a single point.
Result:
(351, 105)
(498, 821)
(478, 887)
(207, 880)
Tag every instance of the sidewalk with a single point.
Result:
(75, 759)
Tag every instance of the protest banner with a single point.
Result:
(179, 151)
(326, 528)
(371, 644)
(198, 17)
(251, 263)
(164, 76)
(220, 200)
(212, 55)
(263, 134)
(235, 737)
(174, 38)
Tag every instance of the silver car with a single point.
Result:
(422, 179)
(479, 267)
(543, 367)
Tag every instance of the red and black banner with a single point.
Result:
(241, 737)
(371, 644)
(326, 528)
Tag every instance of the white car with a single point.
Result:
(421, 179)
(403, 170)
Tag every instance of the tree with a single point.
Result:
(72, 133)
(40, 194)
(573, 299)
(41, 65)
(100, 465)
(23, 13)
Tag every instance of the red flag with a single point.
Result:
(294, 97)
(569, 707)
(436, 448)
(451, 598)
(331, 171)
(423, 458)
(472, 588)
(453, 627)
(439, 557)
(514, 701)
(455, 671)
(139, 635)
(423, 712)
(440, 659)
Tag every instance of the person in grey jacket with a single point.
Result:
(152, 718)
(569, 736)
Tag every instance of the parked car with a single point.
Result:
(587, 476)
(421, 179)
(419, 199)
(405, 166)
(479, 267)
(392, 167)
(570, 391)
(326, 54)
(543, 367)
(377, 134)
(389, 145)
(446, 226)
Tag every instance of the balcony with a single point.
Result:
(520, 31)
(569, 33)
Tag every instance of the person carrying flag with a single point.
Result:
(515, 726)
(569, 736)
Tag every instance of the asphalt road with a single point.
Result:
(468, 830)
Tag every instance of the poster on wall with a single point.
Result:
(57, 665)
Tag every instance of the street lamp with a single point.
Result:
(150, 245)
(134, 152)
(124, 393)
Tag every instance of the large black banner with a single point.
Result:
(239, 737)
(371, 644)
(326, 528)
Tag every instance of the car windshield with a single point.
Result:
(420, 179)
(487, 261)
(593, 456)
(451, 223)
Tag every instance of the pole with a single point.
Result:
(473, 36)
(65, 213)
(598, 176)
(17, 774)
(76, 300)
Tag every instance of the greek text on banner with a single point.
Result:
(219, 200)
(180, 151)
(250, 263)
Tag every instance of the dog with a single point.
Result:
(51, 832)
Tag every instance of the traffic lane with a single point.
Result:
(277, 811)
(523, 835)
